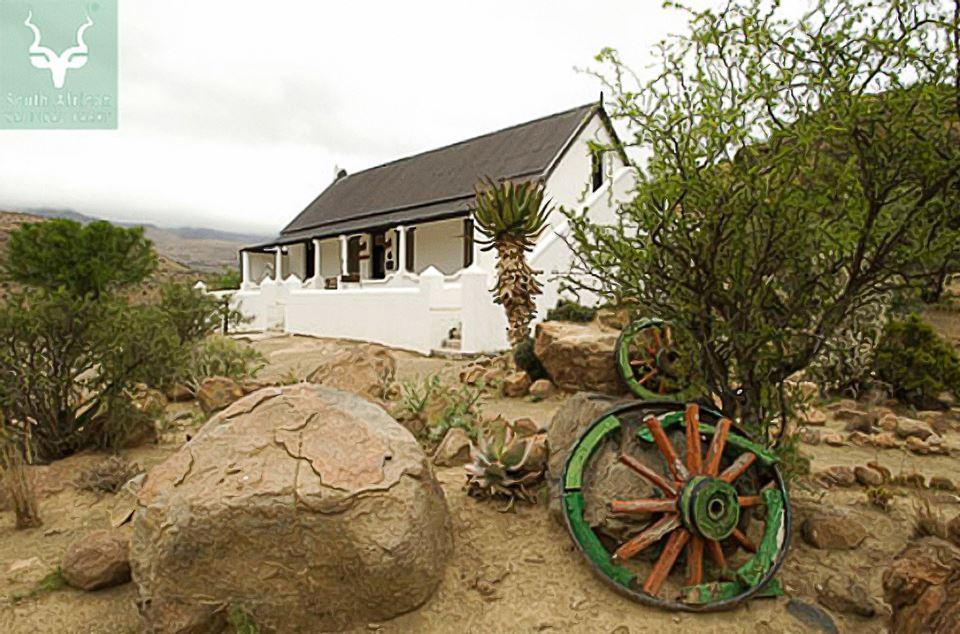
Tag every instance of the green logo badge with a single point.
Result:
(58, 64)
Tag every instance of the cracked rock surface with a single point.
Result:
(307, 507)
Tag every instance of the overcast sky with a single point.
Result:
(234, 114)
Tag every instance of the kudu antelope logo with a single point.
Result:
(58, 65)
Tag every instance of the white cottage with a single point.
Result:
(390, 255)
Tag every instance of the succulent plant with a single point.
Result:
(509, 460)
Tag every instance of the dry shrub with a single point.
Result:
(19, 487)
(107, 476)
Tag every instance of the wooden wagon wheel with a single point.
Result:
(648, 363)
(717, 504)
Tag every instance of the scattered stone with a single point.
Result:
(844, 403)
(917, 446)
(888, 422)
(868, 477)
(217, 392)
(148, 399)
(813, 418)
(453, 450)
(542, 388)
(811, 616)
(849, 598)
(859, 439)
(365, 370)
(298, 478)
(833, 439)
(838, 475)
(922, 585)
(836, 529)
(939, 422)
(578, 357)
(910, 428)
(472, 374)
(809, 436)
(857, 420)
(27, 571)
(494, 376)
(885, 440)
(879, 468)
(179, 393)
(913, 479)
(98, 560)
(942, 483)
(516, 384)
(249, 387)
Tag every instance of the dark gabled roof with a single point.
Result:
(438, 183)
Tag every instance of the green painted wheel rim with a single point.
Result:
(626, 372)
(756, 577)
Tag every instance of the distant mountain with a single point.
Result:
(199, 248)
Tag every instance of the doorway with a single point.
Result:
(378, 269)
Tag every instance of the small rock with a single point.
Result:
(852, 599)
(98, 560)
(217, 392)
(859, 439)
(885, 440)
(939, 422)
(910, 428)
(942, 483)
(842, 404)
(838, 475)
(26, 571)
(833, 439)
(453, 450)
(494, 376)
(917, 446)
(178, 393)
(857, 420)
(813, 418)
(888, 422)
(913, 479)
(542, 388)
(867, 476)
(249, 387)
(811, 616)
(809, 436)
(835, 529)
(472, 374)
(879, 468)
(516, 384)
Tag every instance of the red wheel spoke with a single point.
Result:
(678, 539)
(649, 375)
(743, 540)
(749, 500)
(694, 459)
(716, 553)
(651, 350)
(695, 561)
(647, 538)
(649, 474)
(657, 341)
(715, 452)
(668, 335)
(639, 363)
(666, 448)
(647, 505)
(741, 464)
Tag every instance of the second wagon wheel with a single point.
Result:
(676, 508)
(648, 363)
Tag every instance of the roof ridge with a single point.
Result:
(468, 140)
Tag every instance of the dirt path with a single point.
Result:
(511, 572)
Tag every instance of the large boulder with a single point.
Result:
(308, 507)
(365, 370)
(579, 357)
(98, 560)
(216, 392)
(568, 423)
(922, 585)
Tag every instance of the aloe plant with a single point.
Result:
(510, 217)
(508, 461)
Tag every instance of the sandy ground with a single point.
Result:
(511, 572)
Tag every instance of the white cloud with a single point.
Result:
(234, 113)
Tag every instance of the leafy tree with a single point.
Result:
(790, 172)
(83, 259)
(195, 314)
(511, 216)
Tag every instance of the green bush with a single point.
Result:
(567, 310)
(430, 408)
(916, 363)
(221, 356)
(526, 359)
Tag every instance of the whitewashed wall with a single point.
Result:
(439, 244)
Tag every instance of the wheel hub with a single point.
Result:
(709, 507)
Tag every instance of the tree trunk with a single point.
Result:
(516, 288)
(19, 487)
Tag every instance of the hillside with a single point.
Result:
(203, 249)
